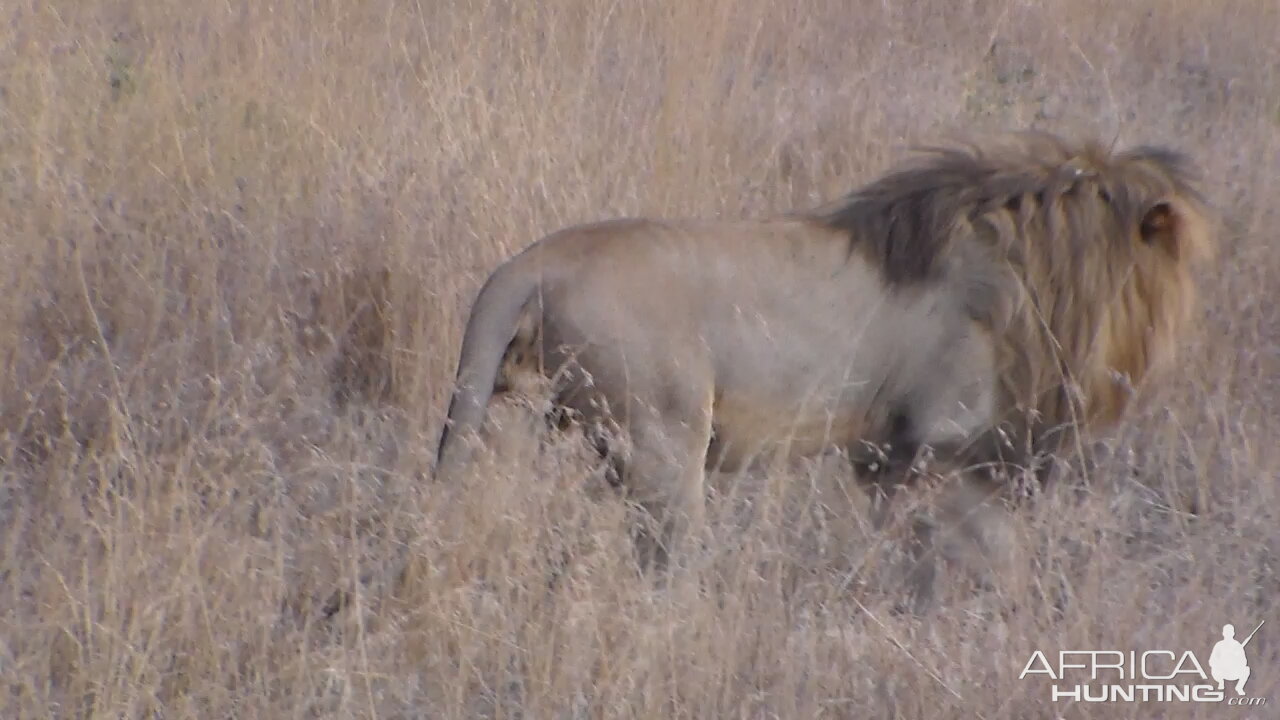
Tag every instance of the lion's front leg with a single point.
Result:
(884, 470)
(961, 520)
(885, 488)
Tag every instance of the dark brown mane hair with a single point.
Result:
(905, 221)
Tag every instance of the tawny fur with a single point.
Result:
(987, 302)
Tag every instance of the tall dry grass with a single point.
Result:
(236, 243)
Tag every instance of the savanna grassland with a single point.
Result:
(237, 244)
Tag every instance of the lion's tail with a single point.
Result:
(496, 317)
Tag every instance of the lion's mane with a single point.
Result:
(1076, 259)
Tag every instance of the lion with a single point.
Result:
(983, 304)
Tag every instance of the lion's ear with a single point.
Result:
(1159, 227)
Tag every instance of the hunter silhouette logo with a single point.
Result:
(1227, 661)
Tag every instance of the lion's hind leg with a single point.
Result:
(648, 418)
(664, 472)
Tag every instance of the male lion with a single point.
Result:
(986, 303)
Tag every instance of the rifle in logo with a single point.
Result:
(1255, 632)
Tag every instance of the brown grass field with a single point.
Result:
(237, 244)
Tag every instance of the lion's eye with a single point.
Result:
(1106, 196)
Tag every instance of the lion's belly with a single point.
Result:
(800, 389)
(745, 428)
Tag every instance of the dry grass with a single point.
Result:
(236, 242)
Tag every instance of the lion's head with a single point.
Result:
(1076, 259)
